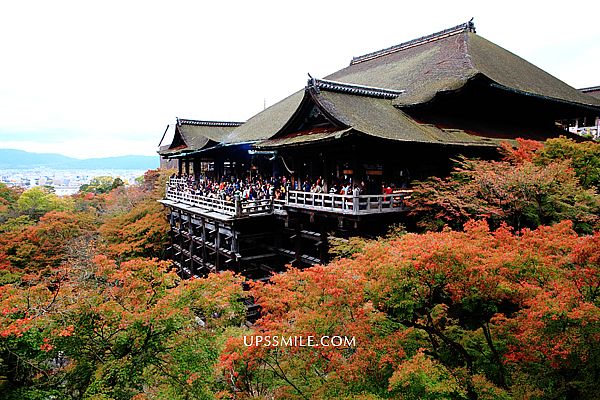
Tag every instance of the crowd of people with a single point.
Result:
(259, 188)
(247, 189)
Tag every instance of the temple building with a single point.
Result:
(587, 127)
(388, 118)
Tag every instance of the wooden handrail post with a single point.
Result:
(238, 205)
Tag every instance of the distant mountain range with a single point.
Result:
(19, 159)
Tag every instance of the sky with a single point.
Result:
(105, 78)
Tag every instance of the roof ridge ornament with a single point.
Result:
(350, 88)
(465, 27)
(181, 121)
(312, 82)
(471, 25)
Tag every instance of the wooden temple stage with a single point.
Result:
(258, 237)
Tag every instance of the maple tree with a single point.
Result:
(142, 232)
(115, 329)
(436, 315)
(137, 225)
(520, 190)
(37, 248)
(75, 323)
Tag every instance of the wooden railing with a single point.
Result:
(348, 204)
(336, 203)
(208, 203)
(177, 191)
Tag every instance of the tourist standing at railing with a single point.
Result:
(345, 190)
(316, 188)
(306, 186)
(261, 188)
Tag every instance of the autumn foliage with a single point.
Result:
(526, 189)
(497, 299)
(437, 315)
(86, 312)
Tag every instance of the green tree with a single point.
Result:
(8, 201)
(37, 201)
(100, 184)
(117, 182)
(583, 156)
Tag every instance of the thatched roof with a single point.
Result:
(264, 124)
(369, 115)
(447, 61)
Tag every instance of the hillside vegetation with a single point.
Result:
(496, 297)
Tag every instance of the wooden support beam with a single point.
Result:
(297, 245)
(217, 247)
(258, 257)
(204, 254)
(192, 244)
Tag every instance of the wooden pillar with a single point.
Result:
(217, 248)
(354, 165)
(180, 166)
(218, 163)
(324, 245)
(238, 205)
(181, 246)
(172, 233)
(191, 246)
(203, 234)
(187, 167)
(196, 167)
(235, 250)
(297, 245)
(325, 175)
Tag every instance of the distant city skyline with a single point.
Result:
(104, 79)
(64, 182)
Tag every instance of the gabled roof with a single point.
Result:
(446, 61)
(264, 124)
(364, 111)
(192, 135)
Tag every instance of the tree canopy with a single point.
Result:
(497, 298)
(528, 188)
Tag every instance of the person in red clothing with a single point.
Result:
(386, 190)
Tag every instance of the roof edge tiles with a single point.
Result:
(350, 88)
(465, 27)
(541, 96)
(589, 89)
(182, 121)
